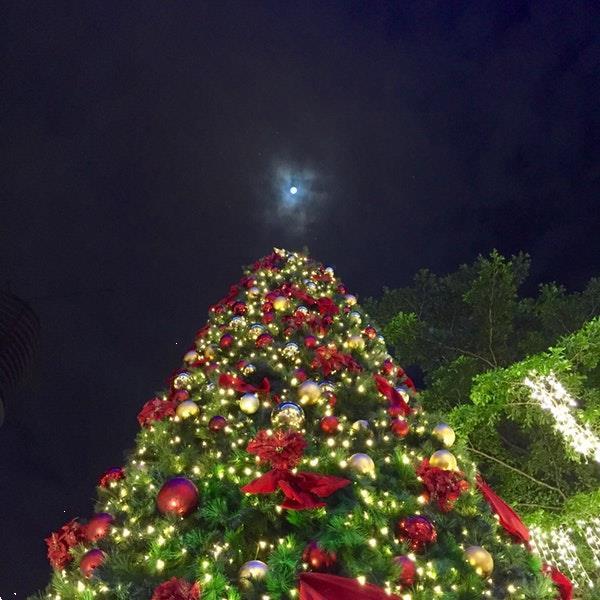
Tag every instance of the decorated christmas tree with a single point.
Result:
(289, 458)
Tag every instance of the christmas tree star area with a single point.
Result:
(290, 458)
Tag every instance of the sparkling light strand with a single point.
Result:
(553, 397)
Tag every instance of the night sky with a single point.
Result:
(148, 151)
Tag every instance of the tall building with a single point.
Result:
(19, 337)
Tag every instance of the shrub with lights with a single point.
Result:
(289, 458)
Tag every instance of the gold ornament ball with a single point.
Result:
(311, 286)
(444, 433)
(253, 570)
(188, 408)
(253, 292)
(480, 559)
(256, 329)
(444, 460)
(190, 356)
(210, 352)
(248, 369)
(360, 425)
(309, 392)
(287, 415)
(290, 350)
(280, 303)
(183, 380)
(330, 271)
(355, 316)
(362, 463)
(350, 299)
(249, 403)
(356, 342)
(237, 322)
(327, 386)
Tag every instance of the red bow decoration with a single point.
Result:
(445, 487)
(321, 586)
(392, 394)
(155, 410)
(330, 359)
(239, 385)
(509, 519)
(60, 543)
(405, 379)
(327, 306)
(284, 450)
(272, 262)
(561, 581)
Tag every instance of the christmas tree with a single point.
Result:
(289, 458)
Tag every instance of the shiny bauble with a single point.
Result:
(327, 386)
(329, 271)
(183, 380)
(408, 570)
(360, 425)
(309, 392)
(290, 350)
(417, 531)
(355, 316)
(281, 303)
(249, 403)
(253, 570)
(240, 308)
(480, 559)
(217, 423)
(317, 558)
(237, 322)
(370, 332)
(190, 356)
(442, 459)
(187, 409)
(356, 342)
(444, 433)
(404, 393)
(311, 286)
(264, 340)
(210, 352)
(98, 526)
(400, 427)
(329, 425)
(302, 310)
(178, 496)
(90, 561)
(310, 341)
(255, 330)
(226, 341)
(253, 291)
(362, 463)
(248, 369)
(350, 299)
(287, 415)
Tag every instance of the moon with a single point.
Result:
(293, 190)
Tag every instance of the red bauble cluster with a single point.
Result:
(318, 558)
(98, 526)
(176, 589)
(217, 423)
(264, 340)
(417, 531)
(60, 543)
(90, 561)
(178, 496)
(408, 570)
(400, 427)
(330, 424)
(114, 474)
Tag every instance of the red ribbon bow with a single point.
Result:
(301, 490)
(329, 359)
(239, 385)
(392, 394)
(321, 586)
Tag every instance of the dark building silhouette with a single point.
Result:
(19, 336)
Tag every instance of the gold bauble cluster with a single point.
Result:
(480, 559)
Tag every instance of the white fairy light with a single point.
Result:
(553, 397)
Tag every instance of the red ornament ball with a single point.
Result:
(178, 496)
(318, 558)
(310, 341)
(408, 570)
(395, 410)
(176, 589)
(90, 561)
(400, 428)
(370, 332)
(300, 375)
(330, 424)
(240, 308)
(217, 423)
(98, 526)
(226, 340)
(264, 340)
(417, 531)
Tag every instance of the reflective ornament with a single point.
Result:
(309, 392)
(442, 459)
(98, 526)
(329, 424)
(90, 561)
(360, 425)
(190, 356)
(264, 340)
(290, 350)
(249, 403)
(280, 303)
(404, 393)
(256, 329)
(370, 332)
(417, 531)
(327, 386)
(302, 310)
(187, 409)
(310, 341)
(237, 322)
(350, 299)
(217, 423)
(355, 316)
(400, 427)
(356, 342)
(362, 463)
(311, 286)
(248, 369)
(480, 559)
(317, 558)
(330, 271)
(444, 433)
(226, 341)
(210, 352)
(408, 570)
(253, 292)
(178, 496)
(253, 570)
(287, 415)
(183, 380)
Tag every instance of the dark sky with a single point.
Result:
(143, 147)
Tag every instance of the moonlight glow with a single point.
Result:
(293, 190)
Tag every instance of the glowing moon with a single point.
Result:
(293, 190)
